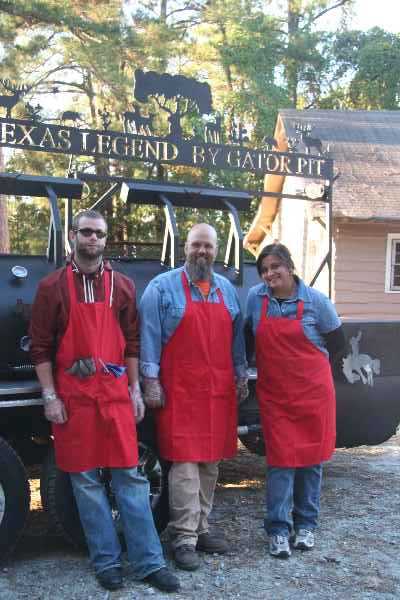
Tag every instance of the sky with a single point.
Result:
(384, 13)
(374, 13)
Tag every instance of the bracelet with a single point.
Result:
(48, 396)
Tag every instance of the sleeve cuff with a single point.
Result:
(148, 369)
(41, 358)
(241, 371)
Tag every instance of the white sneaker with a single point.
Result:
(279, 546)
(303, 540)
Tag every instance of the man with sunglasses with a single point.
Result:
(85, 344)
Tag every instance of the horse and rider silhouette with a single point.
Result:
(358, 366)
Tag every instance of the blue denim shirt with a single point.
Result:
(319, 314)
(162, 307)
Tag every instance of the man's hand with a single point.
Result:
(137, 402)
(154, 396)
(54, 411)
(242, 389)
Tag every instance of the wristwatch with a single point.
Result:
(48, 396)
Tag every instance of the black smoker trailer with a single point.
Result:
(367, 382)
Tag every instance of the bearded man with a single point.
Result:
(85, 346)
(192, 359)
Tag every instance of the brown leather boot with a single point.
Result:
(186, 558)
(212, 544)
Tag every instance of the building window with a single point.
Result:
(392, 280)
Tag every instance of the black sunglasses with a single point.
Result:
(88, 232)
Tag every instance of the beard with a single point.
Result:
(86, 253)
(199, 269)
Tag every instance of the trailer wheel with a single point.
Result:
(59, 502)
(254, 442)
(14, 497)
(249, 414)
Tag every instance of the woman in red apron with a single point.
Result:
(295, 391)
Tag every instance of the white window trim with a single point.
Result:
(389, 244)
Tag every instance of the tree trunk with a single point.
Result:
(163, 10)
(4, 232)
(292, 64)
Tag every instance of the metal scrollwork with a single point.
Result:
(105, 117)
(9, 101)
(195, 132)
(238, 133)
(34, 113)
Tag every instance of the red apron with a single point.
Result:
(199, 421)
(295, 392)
(101, 429)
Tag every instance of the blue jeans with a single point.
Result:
(131, 492)
(292, 499)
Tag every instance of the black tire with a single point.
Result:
(14, 497)
(249, 414)
(59, 502)
(156, 471)
(254, 442)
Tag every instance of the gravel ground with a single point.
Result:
(356, 554)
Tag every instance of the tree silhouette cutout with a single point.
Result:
(188, 95)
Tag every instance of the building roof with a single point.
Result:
(365, 146)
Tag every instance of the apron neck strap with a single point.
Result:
(71, 286)
(108, 285)
(264, 308)
(186, 289)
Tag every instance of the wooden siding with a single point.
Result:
(306, 239)
(360, 264)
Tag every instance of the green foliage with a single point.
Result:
(82, 55)
(28, 226)
(372, 62)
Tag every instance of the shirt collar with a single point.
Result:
(301, 293)
(104, 266)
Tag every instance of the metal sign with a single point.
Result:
(177, 97)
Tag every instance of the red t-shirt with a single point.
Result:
(204, 287)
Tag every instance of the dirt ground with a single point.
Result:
(356, 554)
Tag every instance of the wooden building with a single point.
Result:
(365, 146)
